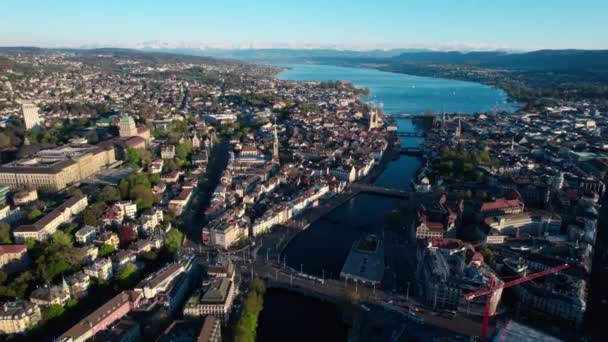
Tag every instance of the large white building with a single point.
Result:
(31, 116)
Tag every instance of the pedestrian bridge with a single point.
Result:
(410, 134)
(411, 151)
(372, 189)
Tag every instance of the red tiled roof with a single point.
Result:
(500, 203)
(11, 249)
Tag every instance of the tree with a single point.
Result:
(53, 311)
(34, 215)
(61, 241)
(5, 140)
(5, 233)
(143, 196)
(246, 325)
(92, 213)
(106, 250)
(127, 184)
(109, 194)
(150, 256)
(173, 240)
(133, 159)
(183, 150)
(126, 276)
(126, 271)
(93, 137)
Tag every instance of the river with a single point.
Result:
(323, 247)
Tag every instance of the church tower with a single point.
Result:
(458, 130)
(275, 146)
(374, 119)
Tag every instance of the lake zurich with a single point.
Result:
(401, 93)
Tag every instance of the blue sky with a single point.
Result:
(464, 24)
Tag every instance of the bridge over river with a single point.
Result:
(334, 290)
(378, 190)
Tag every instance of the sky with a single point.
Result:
(345, 24)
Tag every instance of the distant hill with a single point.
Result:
(530, 61)
(286, 55)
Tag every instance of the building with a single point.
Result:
(150, 219)
(4, 190)
(18, 316)
(168, 286)
(211, 330)
(101, 269)
(125, 330)
(167, 152)
(127, 126)
(48, 224)
(30, 116)
(56, 168)
(215, 299)
(51, 295)
(128, 208)
(437, 220)
(104, 316)
(365, 262)
(559, 297)
(526, 223)
(85, 235)
(222, 119)
(79, 283)
(515, 332)
(226, 229)
(501, 206)
(107, 238)
(25, 197)
(13, 257)
(277, 215)
(448, 269)
(180, 202)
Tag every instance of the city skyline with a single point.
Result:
(354, 25)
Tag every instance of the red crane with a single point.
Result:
(490, 292)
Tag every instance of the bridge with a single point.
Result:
(411, 116)
(378, 190)
(411, 151)
(410, 134)
(323, 288)
(334, 290)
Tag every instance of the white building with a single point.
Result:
(31, 116)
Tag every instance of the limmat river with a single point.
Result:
(323, 247)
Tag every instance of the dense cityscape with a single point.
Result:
(158, 194)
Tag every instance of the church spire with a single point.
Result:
(275, 146)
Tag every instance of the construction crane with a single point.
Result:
(489, 292)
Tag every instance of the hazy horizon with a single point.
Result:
(471, 25)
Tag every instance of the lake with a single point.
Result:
(401, 93)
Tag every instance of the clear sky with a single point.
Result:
(512, 24)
